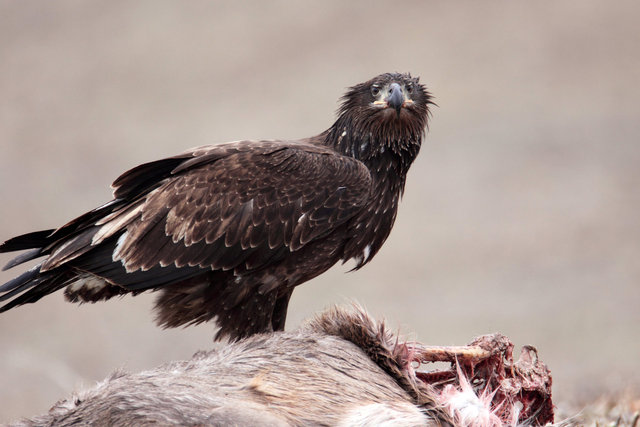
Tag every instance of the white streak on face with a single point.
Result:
(301, 218)
(344, 133)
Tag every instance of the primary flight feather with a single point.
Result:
(225, 232)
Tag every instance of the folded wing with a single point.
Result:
(240, 206)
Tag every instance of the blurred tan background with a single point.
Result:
(520, 215)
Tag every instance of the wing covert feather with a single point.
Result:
(240, 210)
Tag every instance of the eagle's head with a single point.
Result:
(390, 97)
(388, 112)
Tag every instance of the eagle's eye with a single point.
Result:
(375, 90)
(409, 87)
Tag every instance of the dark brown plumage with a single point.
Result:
(227, 231)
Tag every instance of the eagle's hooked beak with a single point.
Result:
(396, 97)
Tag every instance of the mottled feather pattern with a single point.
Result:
(246, 203)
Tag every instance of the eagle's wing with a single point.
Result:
(238, 206)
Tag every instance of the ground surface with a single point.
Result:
(520, 215)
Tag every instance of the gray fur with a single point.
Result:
(323, 374)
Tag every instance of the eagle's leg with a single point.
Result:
(280, 311)
(252, 315)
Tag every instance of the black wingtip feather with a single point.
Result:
(29, 287)
(36, 239)
(22, 258)
(143, 177)
(21, 283)
(32, 295)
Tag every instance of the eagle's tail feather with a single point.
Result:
(22, 258)
(22, 282)
(35, 241)
(30, 286)
(42, 242)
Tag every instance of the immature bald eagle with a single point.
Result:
(227, 231)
